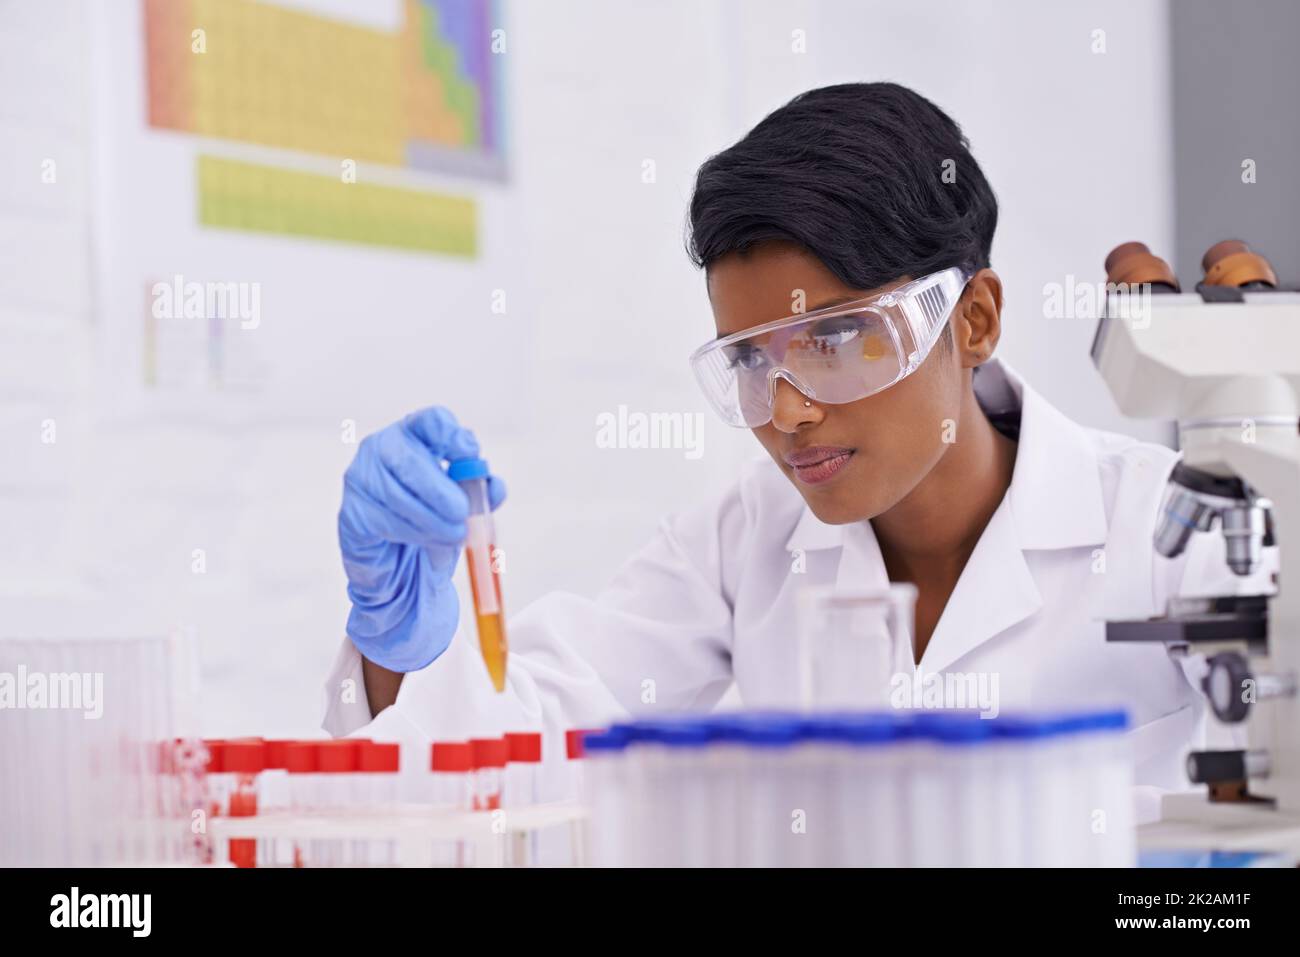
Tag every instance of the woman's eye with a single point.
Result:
(747, 359)
(835, 333)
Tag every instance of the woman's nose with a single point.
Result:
(791, 409)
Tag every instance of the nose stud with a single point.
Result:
(807, 404)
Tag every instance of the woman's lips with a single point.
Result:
(818, 464)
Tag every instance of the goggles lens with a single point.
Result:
(834, 355)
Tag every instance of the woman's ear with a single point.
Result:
(977, 325)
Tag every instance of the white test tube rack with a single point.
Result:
(494, 836)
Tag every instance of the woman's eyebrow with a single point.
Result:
(828, 304)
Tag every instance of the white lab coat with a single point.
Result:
(712, 599)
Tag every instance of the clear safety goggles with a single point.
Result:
(835, 355)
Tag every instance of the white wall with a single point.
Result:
(1076, 144)
(46, 303)
(602, 304)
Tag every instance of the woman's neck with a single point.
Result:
(930, 534)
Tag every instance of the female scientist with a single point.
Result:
(857, 320)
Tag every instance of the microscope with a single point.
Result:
(1224, 361)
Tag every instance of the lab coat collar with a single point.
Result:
(1055, 494)
(1055, 501)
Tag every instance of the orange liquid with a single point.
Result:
(491, 629)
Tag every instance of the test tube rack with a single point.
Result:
(495, 836)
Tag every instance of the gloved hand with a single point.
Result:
(401, 526)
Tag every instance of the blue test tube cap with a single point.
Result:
(613, 739)
(682, 734)
(628, 731)
(1115, 720)
(764, 728)
(1024, 727)
(733, 726)
(855, 727)
(653, 730)
(462, 470)
(877, 728)
(952, 727)
(825, 727)
(722, 727)
(640, 731)
(769, 731)
(1055, 723)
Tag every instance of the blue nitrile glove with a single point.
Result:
(401, 527)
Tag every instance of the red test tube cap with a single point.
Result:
(301, 757)
(573, 742)
(216, 752)
(490, 752)
(379, 757)
(525, 746)
(338, 757)
(244, 757)
(277, 755)
(451, 756)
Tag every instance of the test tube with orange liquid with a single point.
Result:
(480, 556)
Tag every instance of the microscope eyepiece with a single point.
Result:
(1232, 263)
(1134, 264)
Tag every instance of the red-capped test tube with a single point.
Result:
(244, 761)
(451, 788)
(302, 761)
(378, 763)
(451, 764)
(216, 789)
(338, 788)
(275, 798)
(490, 756)
(521, 789)
(275, 779)
(523, 769)
(574, 760)
(215, 779)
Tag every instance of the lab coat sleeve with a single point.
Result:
(656, 639)
(346, 706)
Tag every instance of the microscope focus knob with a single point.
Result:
(1224, 684)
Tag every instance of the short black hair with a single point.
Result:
(854, 173)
